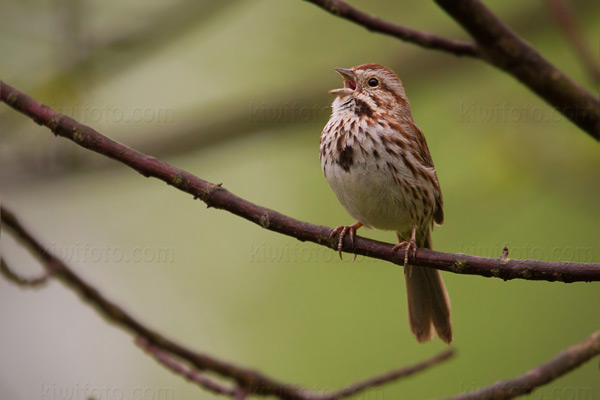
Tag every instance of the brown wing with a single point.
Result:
(423, 150)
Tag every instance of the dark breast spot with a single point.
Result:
(345, 153)
(346, 158)
(363, 108)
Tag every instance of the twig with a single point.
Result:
(169, 362)
(563, 16)
(424, 39)
(561, 364)
(389, 377)
(499, 46)
(219, 197)
(503, 48)
(13, 277)
(251, 381)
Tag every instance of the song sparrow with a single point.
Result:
(378, 164)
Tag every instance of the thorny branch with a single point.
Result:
(218, 197)
(252, 381)
(497, 45)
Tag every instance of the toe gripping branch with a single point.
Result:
(343, 231)
(408, 245)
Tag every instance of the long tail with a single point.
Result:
(428, 301)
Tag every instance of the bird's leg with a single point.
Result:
(412, 243)
(343, 230)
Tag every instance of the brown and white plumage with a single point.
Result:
(378, 164)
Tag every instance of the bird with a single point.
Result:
(377, 162)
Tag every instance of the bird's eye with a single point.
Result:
(373, 82)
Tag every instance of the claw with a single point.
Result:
(408, 246)
(411, 244)
(334, 232)
(343, 230)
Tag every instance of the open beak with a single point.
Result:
(349, 82)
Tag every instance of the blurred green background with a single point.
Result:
(236, 93)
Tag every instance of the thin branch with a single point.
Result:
(178, 368)
(193, 376)
(254, 382)
(428, 40)
(15, 278)
(503, 48)
(389, 377)
(218, 197)
(561, 364)
(499, 46)
(563, 15)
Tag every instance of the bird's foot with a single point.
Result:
(343, 230)
(408, 245)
